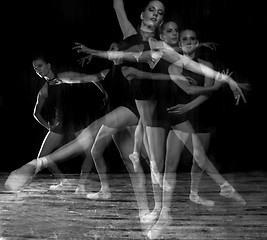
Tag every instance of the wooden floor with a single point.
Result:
(37, 213)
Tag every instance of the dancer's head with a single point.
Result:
(42, 67)
(152, 15)
(115, 47)
(188, 41)
(169, 33)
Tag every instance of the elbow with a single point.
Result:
(34, 114)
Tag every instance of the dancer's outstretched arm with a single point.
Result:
(181, 61)
(133, 73)
(111, 55)
(170, 55)
(77, 77)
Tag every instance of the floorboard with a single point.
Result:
(37, 213)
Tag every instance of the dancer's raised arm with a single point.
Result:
(125, 25)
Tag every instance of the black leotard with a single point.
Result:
(168, 94)
(143, 89)
(201, 117)
(73, 107)
(119, 90)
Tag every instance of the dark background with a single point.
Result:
(52, 26)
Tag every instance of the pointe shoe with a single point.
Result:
(63, 185)
(198, 200)
(163, 222)
(80, 190)
(148, 220)
(20, 178)
(229, 192)
(101, 195)
(150, 217)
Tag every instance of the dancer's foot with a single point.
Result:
(20, 178)
(147, 220)
(229, 192)
(102, 194)
(63, 185)
(199, 200)
(80, 190)
(164, 221)
(150, 217)
(134, 157)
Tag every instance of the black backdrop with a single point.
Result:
(53, 26)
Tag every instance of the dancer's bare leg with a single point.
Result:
(227, 189)
(50, 143)
(79, 145)
(124, 143)
(138, 140)
(196, 174)
(205, 164)
(21, 177)
(196, 171)
(156, 140)
(174, 148)
(120, 119)
(86, 169)
(146, 110)
(103, 138)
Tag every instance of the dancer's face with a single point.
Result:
(153, 14)
(41, 67)
(115, 47)
(170, 33)
(188, 41)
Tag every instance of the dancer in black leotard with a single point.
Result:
(170, 95)
(200, 107)
(148, 94)
(122, 114)
(52, 112)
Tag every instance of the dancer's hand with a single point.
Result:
(85, 60)
(80, 48)
(236, 89)
(179, 109)
(234, 86)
